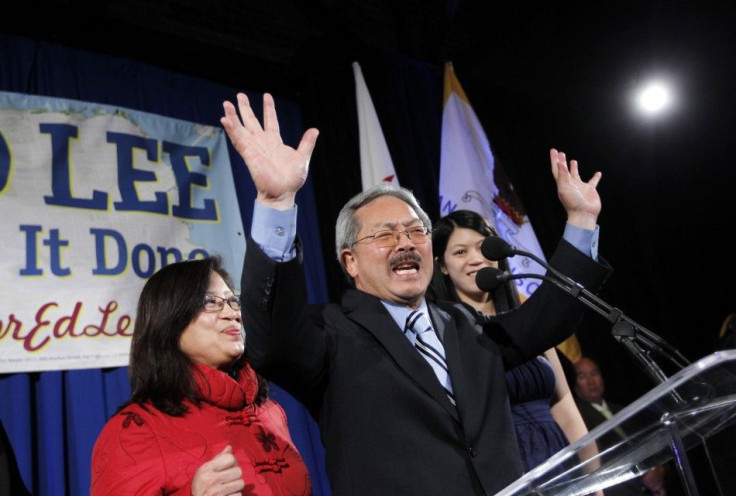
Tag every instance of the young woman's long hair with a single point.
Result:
(505, 297)
(159, 371)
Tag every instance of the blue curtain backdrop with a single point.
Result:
(53, 418)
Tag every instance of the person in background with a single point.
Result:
(409, 395)
(589, 390)
(199, 420)
(544, 413)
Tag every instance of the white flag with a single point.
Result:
(468, 182)
(376, 165)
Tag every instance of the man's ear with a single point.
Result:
(347, 258)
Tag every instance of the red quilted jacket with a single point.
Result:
(146, 452)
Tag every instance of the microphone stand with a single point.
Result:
(627, 332)
(638, 340)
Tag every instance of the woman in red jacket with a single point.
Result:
(199, 420)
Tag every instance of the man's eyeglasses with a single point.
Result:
(214, 303)
(390, 237)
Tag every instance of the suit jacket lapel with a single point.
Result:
(369, 313)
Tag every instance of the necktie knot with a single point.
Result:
(418, 323)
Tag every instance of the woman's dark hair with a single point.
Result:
(159, 371)
(505, 297)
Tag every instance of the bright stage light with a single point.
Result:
(654, 98)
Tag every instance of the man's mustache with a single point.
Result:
(409, 256)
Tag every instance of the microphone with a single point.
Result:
(625, 330)
(495, 248)
(488, 279)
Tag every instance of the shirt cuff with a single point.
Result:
(274, 231)
(585, 240)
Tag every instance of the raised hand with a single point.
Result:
(580, 199)
(221, 476)
(278, 170)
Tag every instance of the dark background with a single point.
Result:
(538, 74)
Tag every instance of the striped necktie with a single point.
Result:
(422, 335)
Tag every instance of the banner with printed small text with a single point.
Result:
(94, 199)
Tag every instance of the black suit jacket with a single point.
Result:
(592, 417)
(387, 425)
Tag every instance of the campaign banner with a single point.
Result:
(94, 199)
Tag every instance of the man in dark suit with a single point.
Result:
(589, 389)
(392, 424)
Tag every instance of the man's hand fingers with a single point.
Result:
(250, 122)
(309, 140)
(270, 120)
(595, 179)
